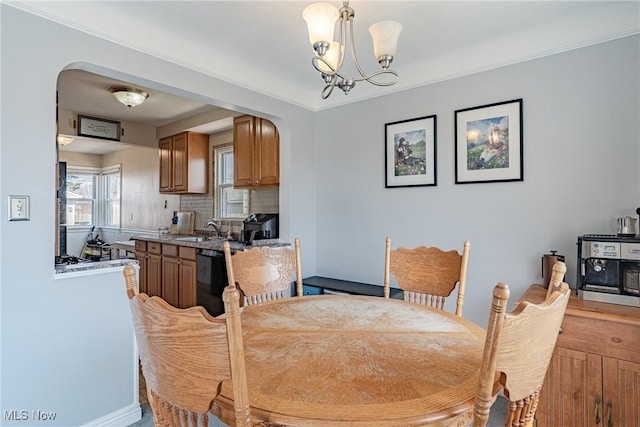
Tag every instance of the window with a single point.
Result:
(93, 196)
(81, 196)
(230, 203)
(111, 190)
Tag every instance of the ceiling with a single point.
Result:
(87, 93)
(263, 45)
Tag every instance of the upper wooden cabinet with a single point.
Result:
(184, 163)
(256, 150)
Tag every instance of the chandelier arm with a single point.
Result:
(328, 89)
(342, 40)
(370, 78)
(353, 53)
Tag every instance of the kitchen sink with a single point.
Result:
(193, 239)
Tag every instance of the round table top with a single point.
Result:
(357, 360)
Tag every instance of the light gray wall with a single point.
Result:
(581, 157)
(581, 168)
(45, 322)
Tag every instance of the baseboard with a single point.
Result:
(120, 418)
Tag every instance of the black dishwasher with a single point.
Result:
(212, 279)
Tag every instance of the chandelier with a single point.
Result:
(329, 54)
(129, 96)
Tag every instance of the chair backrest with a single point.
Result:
(186, 354)
(427, 275)
(517, 352)
(264, 273)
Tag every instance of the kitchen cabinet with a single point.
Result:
(594, 375)
(256, 150)
(149, 257)
(184, 163)
(179, 275)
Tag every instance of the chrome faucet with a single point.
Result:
(216, 224)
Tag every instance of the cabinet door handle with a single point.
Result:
(560, 331)
(596, 402)
(609, 405)
(258, 182)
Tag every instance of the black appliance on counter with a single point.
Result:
(609, 268)
(259, 227)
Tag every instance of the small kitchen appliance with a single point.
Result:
(548, 260)
(627, 226)
(258, 227)
(609, 268)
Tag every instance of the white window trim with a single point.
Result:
(99, 214)
(218, 152)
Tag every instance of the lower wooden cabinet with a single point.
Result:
(149, 258)
(179, 275)
(168, 271)
(594, 375)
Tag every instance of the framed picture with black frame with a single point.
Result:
(94, 127)
(410, 152)
(488, 143)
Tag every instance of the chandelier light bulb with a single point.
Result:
(321, 21)
(385, 36)
(332, 58)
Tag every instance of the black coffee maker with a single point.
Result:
(259, 227)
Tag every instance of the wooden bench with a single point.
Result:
(318, 285)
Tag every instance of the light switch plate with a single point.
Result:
(18, 208)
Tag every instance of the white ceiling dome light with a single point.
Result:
(130, 97)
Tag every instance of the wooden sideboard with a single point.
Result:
(594, 374)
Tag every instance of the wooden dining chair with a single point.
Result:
(557, 276)
(427, 275)
(264, 273)
(517, 352)
(186, 354)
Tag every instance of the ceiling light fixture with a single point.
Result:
(329, 54)
(64, 139)
(129, 96)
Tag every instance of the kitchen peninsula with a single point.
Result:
(187, 270)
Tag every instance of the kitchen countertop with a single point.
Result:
(207, 243)
(93, 266)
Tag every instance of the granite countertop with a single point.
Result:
(208, 243)
(93, 266)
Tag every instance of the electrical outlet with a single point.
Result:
(18, 208)
(130, 216)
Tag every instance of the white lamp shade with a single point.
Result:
(332, 57)
(385, 37)
(321, 21)
(129, 96)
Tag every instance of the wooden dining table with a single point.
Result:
(349, 360)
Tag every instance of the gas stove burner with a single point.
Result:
(68, 260)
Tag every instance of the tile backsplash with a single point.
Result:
(260, 201)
